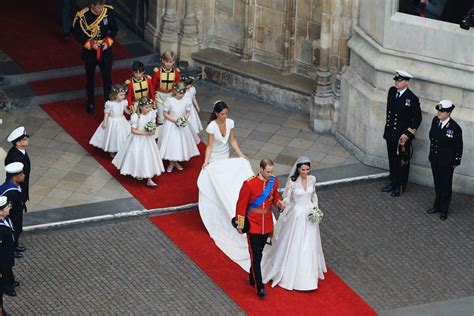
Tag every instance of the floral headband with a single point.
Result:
(145, 101)
(119, 88)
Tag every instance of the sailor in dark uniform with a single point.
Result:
(403, 119)
(20, 141)
(7, 248)
(95, 28)
(12, 190)
(445, 155)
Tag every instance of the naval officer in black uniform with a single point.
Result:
(445, 155)
(95, 28)
(7, 249)
(403, 119)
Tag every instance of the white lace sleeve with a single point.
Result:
(314, 197)
(290, 186)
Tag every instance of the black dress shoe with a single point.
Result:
(20, 248)
(10, 293)
(16, 283)
(251, 281)
(443, 216)
(261, 293)
(18, 254)
(432, 211)
(395, 193)
(388, 188)
(90, 109)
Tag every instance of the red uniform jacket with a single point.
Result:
(164, 81)
(137, 90)
(251, 189)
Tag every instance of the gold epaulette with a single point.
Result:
(148, 76)
(412, 130)
(177, 69)
(127, 81)
(80, 14)
(252, 177)
(156, 69)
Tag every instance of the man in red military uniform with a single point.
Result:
(254, 205)
(139, 86)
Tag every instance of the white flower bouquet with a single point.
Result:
(150, 127)
(315, 215)
(181, 121)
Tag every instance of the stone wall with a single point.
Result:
(436, 54)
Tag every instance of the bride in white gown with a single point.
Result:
(219, 184)
(295, 261)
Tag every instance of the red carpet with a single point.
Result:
(176, 188)
(333, 297)
(78, 82)
(32, 35)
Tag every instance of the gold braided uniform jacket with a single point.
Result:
(90, 28)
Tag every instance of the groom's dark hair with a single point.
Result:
(266, 162)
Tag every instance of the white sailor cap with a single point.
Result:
(402, 74)
(17, 134)
(445, 106)
(14, 168)
(3, 201)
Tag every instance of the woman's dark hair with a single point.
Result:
(297, 173)
(219, 106)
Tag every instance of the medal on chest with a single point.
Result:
(407, 102)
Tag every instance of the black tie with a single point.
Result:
(398, 95)
(440, 125)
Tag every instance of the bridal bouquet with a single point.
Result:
(181, 121)
(150, 127)
(315, 215)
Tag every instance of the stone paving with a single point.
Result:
(64, 174)
(386, 249)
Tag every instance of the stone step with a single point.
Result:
(12, 80)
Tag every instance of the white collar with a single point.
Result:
(443, 123)
(400, 92)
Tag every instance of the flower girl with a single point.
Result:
(112, 133)
(140, 156)
(177, 142)
(194, 120)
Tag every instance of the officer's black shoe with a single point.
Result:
(66, 36)
(16, 283)
(90, 109)
(432, 211)
(10, 292)
(261, 293)
(18, 254)
(443, 216)
(20, 248)
(251, 280)
(395, 192)
(388, 188)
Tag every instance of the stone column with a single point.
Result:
(153, 24)
(320, 114)
(189, 30)
(168, 35)
(290, 29)
(247, 49)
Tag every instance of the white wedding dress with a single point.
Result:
(295, 261)
(219, 186)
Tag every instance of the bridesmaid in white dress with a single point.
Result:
(177, 143)
(219, 184)
(140, 156)
(194, 120)
(114, 130)
(296, 260)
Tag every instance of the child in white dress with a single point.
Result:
(140, 156)
(177, 142)
(114, 130)
(194, 120)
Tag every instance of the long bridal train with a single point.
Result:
(219, 186)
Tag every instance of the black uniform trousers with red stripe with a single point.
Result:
(256, 244)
